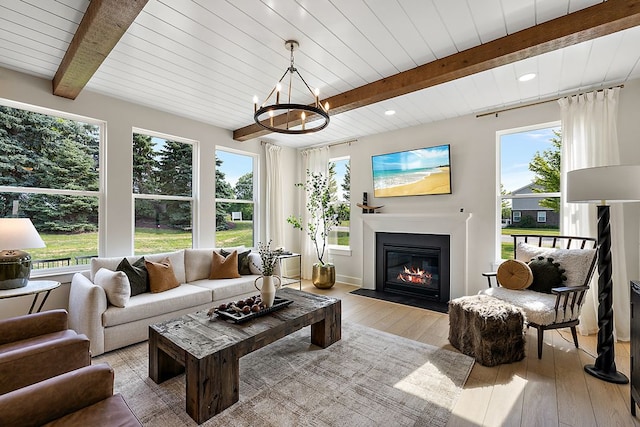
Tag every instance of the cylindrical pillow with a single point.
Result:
(514, 274)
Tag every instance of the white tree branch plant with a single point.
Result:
(323, 215)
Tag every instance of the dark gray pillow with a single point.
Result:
(243, 260)
(547, 275)
(137, 274)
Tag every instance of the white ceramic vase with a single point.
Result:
(268, 289)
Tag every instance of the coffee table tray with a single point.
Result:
(236, 317)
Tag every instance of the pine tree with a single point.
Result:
(223, 191)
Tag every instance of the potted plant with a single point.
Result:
(323, 217)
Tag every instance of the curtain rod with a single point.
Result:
(531, 104)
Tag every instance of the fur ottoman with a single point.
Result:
(487, 329)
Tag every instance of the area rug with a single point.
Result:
(367, 378)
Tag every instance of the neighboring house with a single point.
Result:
(530, 207)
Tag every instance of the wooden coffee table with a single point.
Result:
(208, 350)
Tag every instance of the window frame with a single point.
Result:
(256, 190)
(193, 199)
(500, 198)
(345, 249)
(99, 194)
(541, 216)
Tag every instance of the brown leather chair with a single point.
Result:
(83, 397)
(38, 346)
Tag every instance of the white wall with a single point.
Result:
(473, 164)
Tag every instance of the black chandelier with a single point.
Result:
(288, 117)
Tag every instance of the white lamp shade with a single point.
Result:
(613, 184)
(19, 233)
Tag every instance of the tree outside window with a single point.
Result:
(162, 188)
(340, 183)
(235, 198)
(50, 173)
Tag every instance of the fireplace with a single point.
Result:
(413, 265)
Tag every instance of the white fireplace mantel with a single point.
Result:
(454, 224)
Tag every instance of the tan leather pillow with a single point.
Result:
(161, 275)
(514, 274)
(224, 268)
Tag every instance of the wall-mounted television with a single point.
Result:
(413, 172)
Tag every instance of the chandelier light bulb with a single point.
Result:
(255, 103)
(303, 116)
(326, 106)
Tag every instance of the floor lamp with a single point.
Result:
(605, 184)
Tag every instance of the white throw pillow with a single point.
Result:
(576, 262)
(115, 284)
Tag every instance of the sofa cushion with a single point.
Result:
(112, 411)
(149, 304)
(116, 286)
(198, 262)
(538, 307)
(243, 260)
(161, 275)
(137, 274)
(576, 262)
(111, 263)
(224, 268)
(223, 289)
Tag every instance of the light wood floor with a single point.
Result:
(554, 391)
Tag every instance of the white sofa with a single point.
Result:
(110, 327)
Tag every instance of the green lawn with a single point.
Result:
(507, 247)
(147, 241)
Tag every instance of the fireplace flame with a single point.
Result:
(415, 275)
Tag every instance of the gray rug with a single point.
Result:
(368, 378)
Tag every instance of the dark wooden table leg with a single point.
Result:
(161, 365)
(213, 384)
(328, 330)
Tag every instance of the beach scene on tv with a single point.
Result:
(412, 173)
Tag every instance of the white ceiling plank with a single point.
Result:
(426, 19)
(340, 25)
(546, 10)
(626, 58)
(601, 55)
(34, 24)
(508, 87)
(459, 23)
(519, 14)
(399, 27)
(575, 5)
(549, 68)
(574, 61)
(488, 19)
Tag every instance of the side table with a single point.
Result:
(35, 288)
(290, 280)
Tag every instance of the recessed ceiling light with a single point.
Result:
(389, 112)
(527, 77)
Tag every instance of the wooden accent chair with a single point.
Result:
(561, 308)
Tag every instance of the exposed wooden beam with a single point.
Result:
(102, 26)
(586, 24)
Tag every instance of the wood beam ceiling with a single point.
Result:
(586, 24)
(102, 26)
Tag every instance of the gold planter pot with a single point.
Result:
(323, 276)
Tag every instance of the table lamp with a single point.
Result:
(15, 265)
(605, 184)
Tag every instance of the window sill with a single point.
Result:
(340, 251)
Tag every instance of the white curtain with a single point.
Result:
(589, 139)
(314, 160)
(273, 203)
